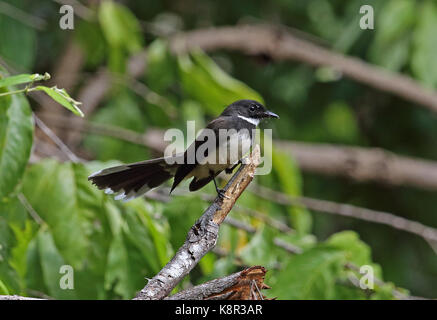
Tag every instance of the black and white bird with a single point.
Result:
(220, 146)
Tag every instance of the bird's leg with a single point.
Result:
(230, 170)
(220, 192)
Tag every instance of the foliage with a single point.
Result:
(50, 215)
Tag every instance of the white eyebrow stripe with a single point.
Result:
(250, 120)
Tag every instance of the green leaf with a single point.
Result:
(157, 232)
(19, 252)
(3, 289)
(52, 190)
(349, 241)
(17, 48)
(122, 111)
(62, 97)
(16, 135)
(161, 67)
(424, 64)
(118, 275)
(34, 274)
(203, 80)
(182, 214)
(260, 250)
(8, 276)
(288, 174)
(340, 122)
(310, 275)
(120, 26)
(391, 46)
(23, 78)
(51, 262)
(89, 36)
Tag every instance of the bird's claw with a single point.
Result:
(222, 194)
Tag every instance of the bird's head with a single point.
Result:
(249, 110)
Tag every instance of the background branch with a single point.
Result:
(347, 210)
(363, 164)
(280, 45)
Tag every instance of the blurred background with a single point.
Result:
(354, 175)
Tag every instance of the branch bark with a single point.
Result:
(280, 45)
(202, 236)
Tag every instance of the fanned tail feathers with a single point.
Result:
(132, 180)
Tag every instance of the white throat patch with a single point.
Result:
(250, 120)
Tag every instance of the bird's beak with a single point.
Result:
(269, 114)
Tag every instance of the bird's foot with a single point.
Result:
(222, 194)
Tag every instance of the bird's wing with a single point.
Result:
(188, 166)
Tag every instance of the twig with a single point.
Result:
(347, 210)
(153, 139)
(61, 145)
(203, 235)
(290, 248)
(29, 208)
(239, 225)
(276, 224)
(279, 45)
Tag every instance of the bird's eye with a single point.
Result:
(252, 108)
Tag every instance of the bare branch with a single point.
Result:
(280, 45)
(363, 164)
(203, 235)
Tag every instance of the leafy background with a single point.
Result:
(50, 215)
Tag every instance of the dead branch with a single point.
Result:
(277, 44)
(243, 285)
(202, 236)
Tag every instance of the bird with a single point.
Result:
(220, 146)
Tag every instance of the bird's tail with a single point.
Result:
(130, 181)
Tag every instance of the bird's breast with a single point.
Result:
(228, 151)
